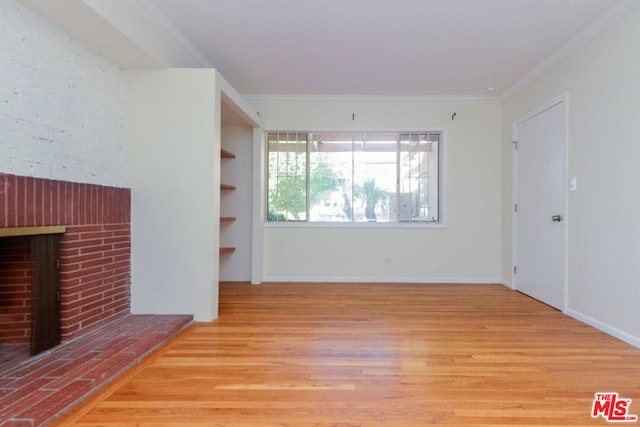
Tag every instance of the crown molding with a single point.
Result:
(598, 26)
(452, 99)
(165, 25)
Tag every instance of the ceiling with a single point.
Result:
(362, 47)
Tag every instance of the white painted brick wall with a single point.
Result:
(61, 104)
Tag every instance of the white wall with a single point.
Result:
(172, 134)
(173, 141)
(61, 108)
(602, 80)
(468, 249)
(237, 203)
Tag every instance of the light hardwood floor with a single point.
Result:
(373, 355)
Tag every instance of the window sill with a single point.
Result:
(355, 225)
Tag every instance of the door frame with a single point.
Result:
(564, 100)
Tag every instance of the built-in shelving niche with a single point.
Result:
(224, 154)
(236, 195)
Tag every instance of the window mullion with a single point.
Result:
(419, 178)
(353, 177)
(287, 181)
(398, 175)
(308, 180)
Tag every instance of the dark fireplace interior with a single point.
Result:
(15, 300)
(15, 290)
(29, 294)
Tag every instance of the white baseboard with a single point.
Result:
(351, 279)
(615, 332)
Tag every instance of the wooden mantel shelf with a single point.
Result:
(228, 187)
(32, 231)
(224, 251)
(227, 218)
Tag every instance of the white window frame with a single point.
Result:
(442, 185)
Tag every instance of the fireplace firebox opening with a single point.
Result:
(30, 287)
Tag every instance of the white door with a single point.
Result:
(540, 202)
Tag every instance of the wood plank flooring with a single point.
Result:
(373, 355)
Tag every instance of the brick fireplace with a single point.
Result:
(94, 253)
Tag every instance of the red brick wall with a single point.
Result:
(15, 296)
(95, 267)
(94, 276)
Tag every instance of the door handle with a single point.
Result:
(556, 218)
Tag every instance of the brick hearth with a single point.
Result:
(39, 391)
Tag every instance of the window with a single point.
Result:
(384, 177)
